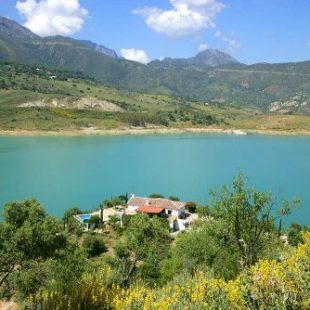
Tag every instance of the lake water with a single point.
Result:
(64, 172)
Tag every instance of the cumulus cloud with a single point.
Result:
(135, 55)
(202, 47)
(232, 43)
(186, 17)
(52, 17)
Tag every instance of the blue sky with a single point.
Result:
(251, 30)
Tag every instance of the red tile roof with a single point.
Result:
(151, 210)
(157, 202)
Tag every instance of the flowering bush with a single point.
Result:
(283, 284)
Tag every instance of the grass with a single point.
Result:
(274, 122)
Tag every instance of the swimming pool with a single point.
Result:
(85, 217)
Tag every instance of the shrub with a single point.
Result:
(156, 195)
(126, 220)
(203, 211)
(294, 234)
(266, 285)
(174, 198)
(93, 245)
(191, 207)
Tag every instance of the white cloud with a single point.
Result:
(202, 47)
(135, 55)
(233, 44)
(185, 18)
(52, 17)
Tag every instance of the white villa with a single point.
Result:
(173, 211)
(156, 206)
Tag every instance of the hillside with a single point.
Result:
(20, 45)
(40, 98)
(45, 98)
(210, 76)
(100, 48)
(207, 58)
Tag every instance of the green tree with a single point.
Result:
(17, 213)
(174, 198)
(146, 243)
(191, 206)
(249, 216)
(72, 211)
(67, 269)
(238, 229)
(10, 256)
(156, 195)
(27, 235)
(71, 225)
(123, 198)
(202, 249)
(32, 277)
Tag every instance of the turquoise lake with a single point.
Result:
(65, 172)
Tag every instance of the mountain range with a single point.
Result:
(212, 76)
(210, 57)
(100, 48)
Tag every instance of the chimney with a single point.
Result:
(132, 195)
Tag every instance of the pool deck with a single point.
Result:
(107, 213)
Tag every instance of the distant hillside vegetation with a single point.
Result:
(36, 97)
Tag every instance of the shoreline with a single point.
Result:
(146, 131)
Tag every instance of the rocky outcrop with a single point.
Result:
(293, 105)
(85, 103)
